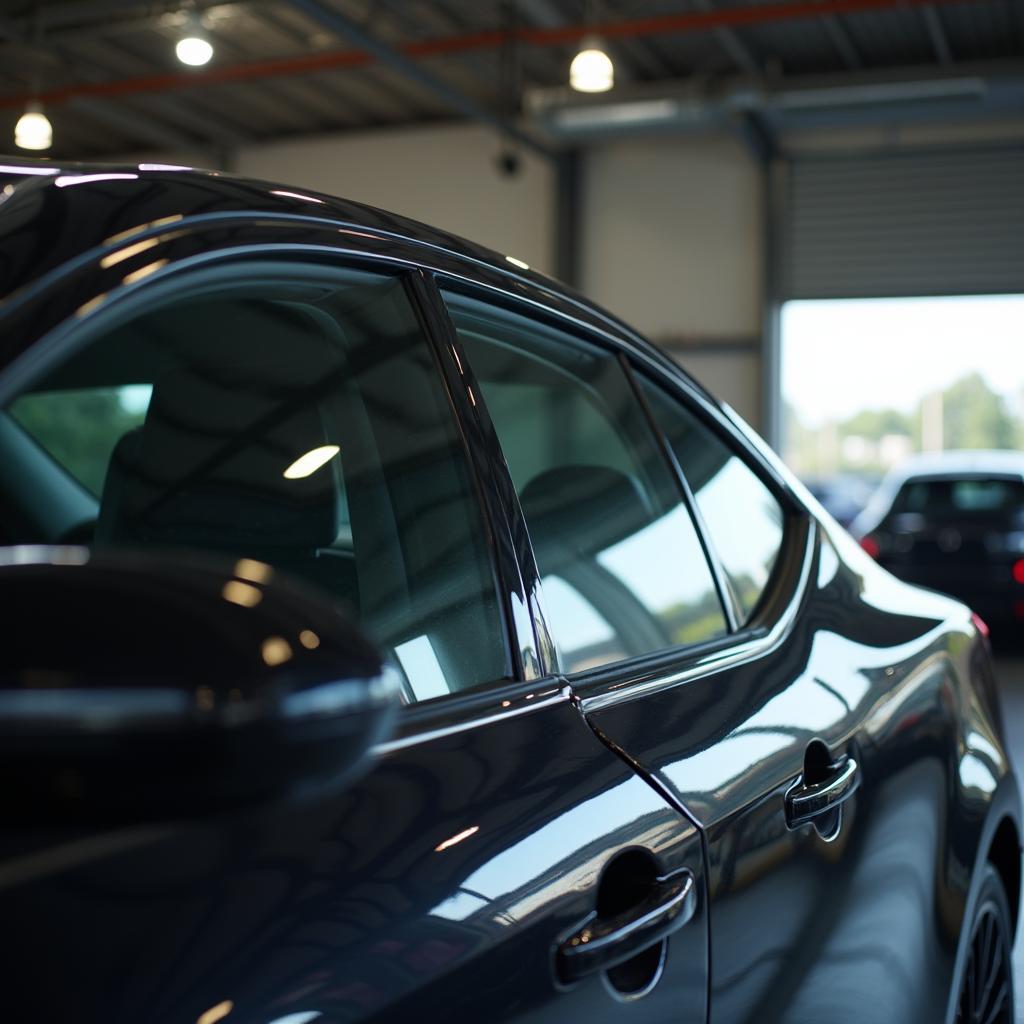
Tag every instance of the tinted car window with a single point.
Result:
(623, 569)
(742, 518)
(938, 497)
(295, 421)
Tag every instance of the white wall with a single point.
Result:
(672, 235)
(443, 175)
(672, 244)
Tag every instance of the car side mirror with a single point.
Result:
(151, 685)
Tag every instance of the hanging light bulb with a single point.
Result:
(33, 130)
(194, 49)
(591, 69)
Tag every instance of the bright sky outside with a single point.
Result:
(840, 356)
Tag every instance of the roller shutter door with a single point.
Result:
(937, 223)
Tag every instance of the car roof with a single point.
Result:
(150, 190)
(45, 224)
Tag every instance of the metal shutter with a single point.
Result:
(937, 223)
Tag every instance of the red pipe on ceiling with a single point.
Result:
(665, 24)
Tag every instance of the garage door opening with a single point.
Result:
(868, 382)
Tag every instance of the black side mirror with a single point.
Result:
(148, 685)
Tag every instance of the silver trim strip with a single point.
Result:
(719, 661)
(562, 696)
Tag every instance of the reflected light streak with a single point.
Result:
(128, 252)
(83, 179)
(457, 838)
(517, 263)
(306, 465)
(15, 169)
(276, 650)
(255, 572)
(216, 1013)
(87, 307)
(295, 195)
(244, 594)
(164, 167)
(138, 275)
(160, 222)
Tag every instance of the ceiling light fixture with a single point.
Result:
(591, 69)
(194, 49)
(33, 130)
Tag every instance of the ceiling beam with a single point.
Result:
(841, 40)
(133, 125)
(407, 54)
(346, 28)
(937, 34)
(730, 41)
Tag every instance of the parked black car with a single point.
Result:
(640, 733)
(954, 521)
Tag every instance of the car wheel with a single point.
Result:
(986, 985)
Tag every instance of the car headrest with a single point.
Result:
(207, 466)
(586, 508)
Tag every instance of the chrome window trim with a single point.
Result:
(716, 661)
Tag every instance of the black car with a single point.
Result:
(639, 733)
(954, 521)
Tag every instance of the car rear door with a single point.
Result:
(714, 638)
(812, 748)
(497, 862)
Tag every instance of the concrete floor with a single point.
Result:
(1010, 672)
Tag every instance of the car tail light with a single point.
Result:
(1018, 571)
(980, 625)
(870, 545)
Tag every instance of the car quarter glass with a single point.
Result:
(743, 520)
(622, 566)
(291, 417)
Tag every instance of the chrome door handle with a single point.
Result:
(601, 943)
(805, 801)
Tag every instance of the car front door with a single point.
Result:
(497, 862)
(713, 636)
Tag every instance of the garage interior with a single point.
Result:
(748, 153)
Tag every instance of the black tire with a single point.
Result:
(986, 981)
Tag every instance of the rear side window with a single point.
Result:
(938, 497)
(293, 417)
(743, 519)
(623, 569)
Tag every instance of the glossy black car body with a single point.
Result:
(447, 881)
(954, 522)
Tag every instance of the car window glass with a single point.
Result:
(951, 496)
(743, 519)
(296, 421)
(623, 570)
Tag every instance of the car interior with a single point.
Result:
(243, 386)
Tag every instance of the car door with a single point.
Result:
(711, 635)
(497, 862)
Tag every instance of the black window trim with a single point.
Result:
(454, 711)
(772, 616)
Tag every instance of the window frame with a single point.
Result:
(69, 335)
(630, 677)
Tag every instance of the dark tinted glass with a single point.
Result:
(945, 497)
(295, 421)
(743, 519)
(623, 570)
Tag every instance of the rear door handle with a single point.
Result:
(601, 943)
(806, 801)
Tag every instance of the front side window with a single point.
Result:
(623, 570)
(743, 519)
(293, 416)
